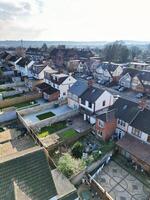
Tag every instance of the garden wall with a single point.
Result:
(52, 120)
(8, 115)
(10, 93)
(99, 189)
(11, 85)
(25, 98)
(76, 179)
(40, 107)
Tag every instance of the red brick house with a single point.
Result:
(105, 125)
(51, 94)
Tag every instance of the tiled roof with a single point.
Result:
(78, 88)
(23, 62)
(50, 90)
(42, 86)
(30, 171)
(125, 109)
(142, 121)
(91, 94)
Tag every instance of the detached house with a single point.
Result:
(23, 65)
(38, 70)
(93, 100)
(109, 71)
(141, 82)
(74, 93)
(127, 76)
(61, 82)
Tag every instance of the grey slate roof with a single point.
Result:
(78, 87)
(125, 109)
(131, 71)
(142, 121)
(91, 94)
(30, 171)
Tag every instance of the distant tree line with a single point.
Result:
(120, 53)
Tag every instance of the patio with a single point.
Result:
(32, 118)
(120, 184)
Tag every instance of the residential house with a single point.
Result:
(74, 93)
(127, 76)
(109, 71)
(141, 82)
(93, 100)
(23, 65)
(105, 124)
(61, 82)
(139, 65)
(37, 70)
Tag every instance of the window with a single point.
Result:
(136, 132)
(101, 124)
(104, 103)
(64, 93)
(90, 105)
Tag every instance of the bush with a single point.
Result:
(69, 166)
(77, 150)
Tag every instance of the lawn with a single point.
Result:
(45, 115)
(45, 131)
(6, 90)
(14, 96)
(20, 105)
(68, 134)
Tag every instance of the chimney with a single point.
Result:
(90, 83)
(142, 104)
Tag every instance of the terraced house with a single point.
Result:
(128, 122)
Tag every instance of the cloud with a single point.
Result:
(10, 10)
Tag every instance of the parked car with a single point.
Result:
(139, 95)
(99, 81)
(89, 78)
(83, 76)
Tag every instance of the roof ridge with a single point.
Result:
(20, 154)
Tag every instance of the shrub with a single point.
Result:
(69, 166)
(77, 150)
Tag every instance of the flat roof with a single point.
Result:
(62, 184)
(136, 147)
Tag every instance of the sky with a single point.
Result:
(75, 20)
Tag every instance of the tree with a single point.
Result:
(134, 52)
(77, 150)
(69, 166)
(116, 52)
(44, 47)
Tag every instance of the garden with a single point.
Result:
(45, 115)
(45, 131)
(76, 157)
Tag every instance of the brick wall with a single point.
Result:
(107, 130)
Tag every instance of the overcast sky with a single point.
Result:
(75, 20)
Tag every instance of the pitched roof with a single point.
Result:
(125, 109)
(144, 75)
(102, 117)
(38, 68)
(50, 90)
(13, 58)
(131, 71)
(30, 171)
(42, 86)
(91, 94)
(135, 147)
(4, 55)
(23, 62)
(59, 81)
(78, 88)
(142, 121)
